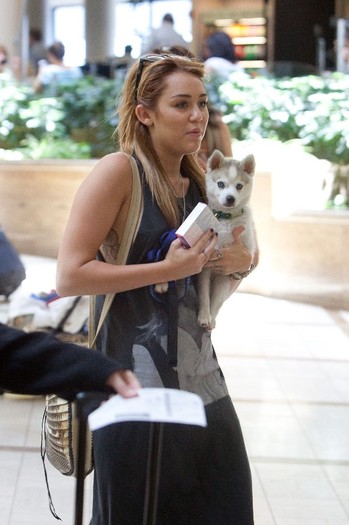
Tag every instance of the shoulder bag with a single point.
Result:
(59, 425)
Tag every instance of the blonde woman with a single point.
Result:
(205, 475)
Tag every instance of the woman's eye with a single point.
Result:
(239, 186)
(220, 184)
(203, 104)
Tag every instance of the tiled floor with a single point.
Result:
(287, 367)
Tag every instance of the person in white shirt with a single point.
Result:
(220, 56)
(164, 36)
(55, 71)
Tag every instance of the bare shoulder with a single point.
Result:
(111, 173)
(116, 165)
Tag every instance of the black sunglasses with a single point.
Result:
(145, 58)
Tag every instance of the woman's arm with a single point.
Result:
(101, 204)
(235, 258)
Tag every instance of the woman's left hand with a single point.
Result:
(231, 258)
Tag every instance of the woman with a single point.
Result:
(220, 56)
(205, 477)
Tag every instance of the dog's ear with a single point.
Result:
(216, 160)
(248, 165)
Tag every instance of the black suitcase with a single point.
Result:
(87, 402)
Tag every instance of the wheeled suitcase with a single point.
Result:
(86, 402)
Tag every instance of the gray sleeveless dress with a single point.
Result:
(205, 476)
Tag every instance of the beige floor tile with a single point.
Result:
(287, 369)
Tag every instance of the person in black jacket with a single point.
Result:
(37, 363)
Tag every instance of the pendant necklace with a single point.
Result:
(183, 199)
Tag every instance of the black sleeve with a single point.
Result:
(38, 363)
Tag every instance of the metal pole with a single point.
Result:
(153, 473)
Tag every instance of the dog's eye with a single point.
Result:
(220, 184)
(239, 186)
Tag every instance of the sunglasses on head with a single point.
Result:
(142, 60)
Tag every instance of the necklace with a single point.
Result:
(183, 200)
(182, 196)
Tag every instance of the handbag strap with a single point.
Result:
(131, 225)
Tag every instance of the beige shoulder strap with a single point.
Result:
(131, 226)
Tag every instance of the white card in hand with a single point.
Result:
(152, 404)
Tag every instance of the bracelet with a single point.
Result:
(237, 276)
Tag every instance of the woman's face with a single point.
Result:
(180, 118)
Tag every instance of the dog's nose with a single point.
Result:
(230, 199)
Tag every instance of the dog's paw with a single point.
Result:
(161, 288)
(204, 320)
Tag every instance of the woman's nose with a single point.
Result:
(196, 114)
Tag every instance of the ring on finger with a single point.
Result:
(219, 254)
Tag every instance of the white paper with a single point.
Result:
(152, 404)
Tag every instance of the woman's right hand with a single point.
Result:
(190, 261)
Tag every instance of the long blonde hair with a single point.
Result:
(134, 137)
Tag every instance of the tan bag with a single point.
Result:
(59, 439)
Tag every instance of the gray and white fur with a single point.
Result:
(229, 186)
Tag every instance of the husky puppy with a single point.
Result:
(229, 185)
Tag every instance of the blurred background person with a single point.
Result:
(164, 36)
(37, 51)
(54, 71)
(219, 54)
(5, 69)
(217, 136)
(122, 64)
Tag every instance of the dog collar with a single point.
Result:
(221, 215)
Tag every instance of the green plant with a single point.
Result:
(80, 120)
(23, 114)
(90, 109)
(311, 109)
(80, 113)
(48, 147)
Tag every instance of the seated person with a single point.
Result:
(54, 71)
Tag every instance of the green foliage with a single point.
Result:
(78, 122)
(313, 109)
(90, 109)
(49, 147)
(81, 118)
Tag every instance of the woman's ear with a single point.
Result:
(143, 115)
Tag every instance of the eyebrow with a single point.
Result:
(185, 95)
